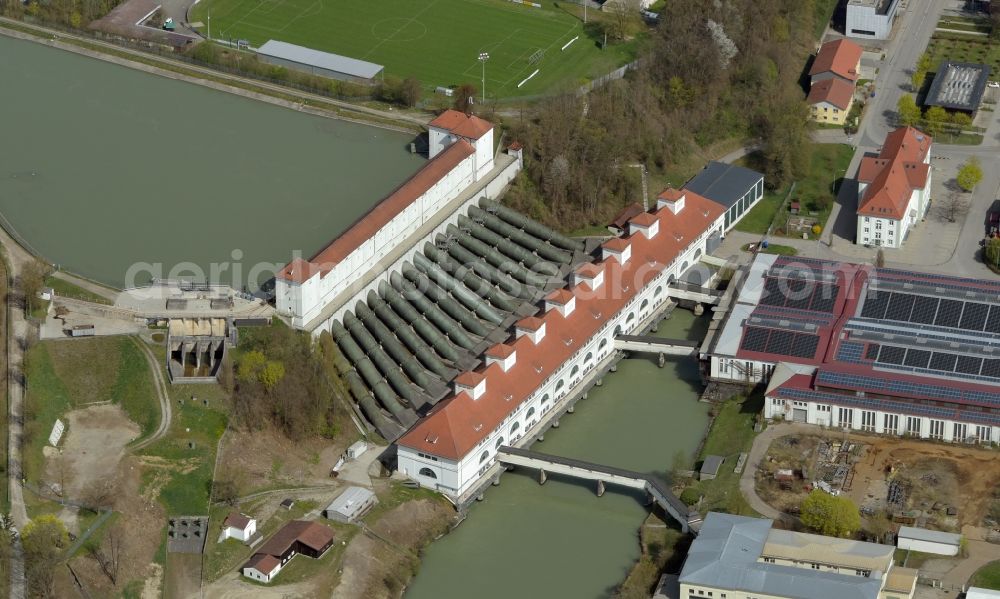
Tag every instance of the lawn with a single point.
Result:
(67, 289)
(438, 41)
(988, 577)
(816, 191)
(962, 48)
(774, 248)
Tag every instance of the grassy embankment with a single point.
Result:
(731, 434)
(988, 577)
(816, 191)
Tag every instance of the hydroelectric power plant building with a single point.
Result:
(857, 347)
(465, 326)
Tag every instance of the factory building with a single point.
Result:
(856, 347)
(871, 19)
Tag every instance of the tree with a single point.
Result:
(43, 539)
(908, 111)
(969, 175)
(961, 121)
(991, 253)
(830, 515)
(409, 91)
(935, 118)
(108, 553)
(917, 79)
(32, 281)
(625, 13)
(464, 97)
(879, 258)
(952, 206)
(225, 491)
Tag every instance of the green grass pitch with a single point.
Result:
(436, 41)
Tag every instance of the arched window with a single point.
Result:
(499, 442)
(590, 354)
(428, 473)
(573, 372)
(531, 412)
(658, 291)
(618, 330)
(484, 457)
(697, 253)
(643, 305)
(603, 343)
(630, 318)
(559, 385)
(514, 428)
(684, 266)
(671, 279)
(545, 398)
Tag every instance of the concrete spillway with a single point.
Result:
(434, 317)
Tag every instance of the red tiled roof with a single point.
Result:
(895, 174)
(531, 323)
(670, 194)
(560, 296)
(618, 244)
(311, 534)
(461, 124)
(263, 563)
(839, 57)
(500, 350)
(380, 215)
(835, 92)
(236, 520)
(628, 213)
(645, 219)
(457, 424)
(469, 378)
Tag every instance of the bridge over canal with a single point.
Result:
(656, 345)
(653, 486)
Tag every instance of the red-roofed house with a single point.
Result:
(894, 188)
(453, 449)
(238, 526)
(839, 59)
(830, 101)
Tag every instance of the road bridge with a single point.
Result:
(656, 345)
(656, 489)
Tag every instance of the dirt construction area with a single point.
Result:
(923, 483)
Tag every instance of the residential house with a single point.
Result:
(832, 78)
(238, 526)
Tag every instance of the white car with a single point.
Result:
(993, 84)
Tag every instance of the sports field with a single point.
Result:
(436, 41)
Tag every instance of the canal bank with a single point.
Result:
(560, 539)
(112, 169)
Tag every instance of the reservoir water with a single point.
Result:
(561, 540)
(102, 166)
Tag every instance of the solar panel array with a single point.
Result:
(850, 351)
(926, 310)
(904, 388)
(779, 342)
(800, 294)
(941, 362)
(889, 405)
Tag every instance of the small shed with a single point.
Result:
(928, 541)
(710, 467)
(356, 449)
(288, 503)
(794, 208)
(238, 526)
(350, 505)
(82, 330)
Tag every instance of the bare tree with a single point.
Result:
(880, 258)
(624, 13)
(108, 553)
(953, 206)
(32, 281)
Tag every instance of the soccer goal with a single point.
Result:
(536, 57)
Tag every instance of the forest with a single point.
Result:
(715, 71)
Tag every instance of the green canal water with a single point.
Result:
(561, 540)
(102, 167)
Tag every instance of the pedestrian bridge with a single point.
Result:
(695, 293)
(654, 487)
(656, 345)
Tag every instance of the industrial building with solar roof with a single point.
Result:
(857, 347)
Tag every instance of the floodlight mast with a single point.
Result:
(483, 57)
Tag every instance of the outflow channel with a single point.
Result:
(560, 539)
